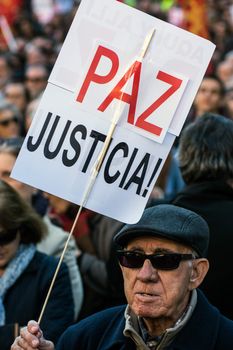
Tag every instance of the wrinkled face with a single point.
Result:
(208, 98)
(153, 293)
(8, 251)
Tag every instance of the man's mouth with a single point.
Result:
(145, 294)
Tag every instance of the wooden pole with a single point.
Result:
(95, 172)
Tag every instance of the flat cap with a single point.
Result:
(170, 222)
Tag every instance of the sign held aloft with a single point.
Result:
(98, 71)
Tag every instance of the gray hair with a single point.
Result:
(206, 149)
(4, 106)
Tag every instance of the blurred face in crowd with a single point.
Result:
(15, 93)
(9, 244)
(4, 71)
(144, 5)
(34, 55)
(9, 124)
(229, 103)
(225, 71)
(7, 162)
(161, 296)
(209, 97)
(30, 112)
(60, 205)
(36, 80)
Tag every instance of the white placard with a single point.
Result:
(122, 29)
(78, 105)
(62, 146)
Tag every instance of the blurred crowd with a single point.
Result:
(27, 57)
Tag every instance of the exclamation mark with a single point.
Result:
(152, 176)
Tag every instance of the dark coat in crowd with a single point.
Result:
(102, 277)
(213, 200)
(24, 300)
(207, 329)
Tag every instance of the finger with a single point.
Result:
(34, 328)
(15, 345)
(28, 339)
(20, 344)
(24, 344)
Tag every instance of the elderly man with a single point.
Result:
(162, 258)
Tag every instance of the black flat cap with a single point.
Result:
(170, 222)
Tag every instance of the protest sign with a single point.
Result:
(7, 34)
(98, 71)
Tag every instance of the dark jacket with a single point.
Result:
(207, 329)
(213, 200)
(24, 300)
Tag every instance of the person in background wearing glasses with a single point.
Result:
(163, 261)
(9, 120)
(26, 274)
(36, 76)
(16, 93)
(56, 237)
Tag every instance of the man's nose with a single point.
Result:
(147, 272)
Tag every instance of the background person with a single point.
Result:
(206, 163)
(101, 276)
(16, 93)
(10, 120)
(55, 240)
(163, 263)
(36, 76)
(26, 274)
(209, 98)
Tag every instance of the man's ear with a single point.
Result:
(198, 273)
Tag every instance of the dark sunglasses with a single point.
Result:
(8, 236)
(36, 80)
(164, 261)
(6, 122)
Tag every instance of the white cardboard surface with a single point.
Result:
(67, 136)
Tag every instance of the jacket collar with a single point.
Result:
(200, 332)
(199, 337)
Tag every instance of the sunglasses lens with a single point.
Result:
(166, 261)
(136, 260)
(7, 122)
(8, 237)
(131, 260)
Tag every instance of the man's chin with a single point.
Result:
(146, 311)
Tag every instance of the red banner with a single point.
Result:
(9, 8)
(195, 16)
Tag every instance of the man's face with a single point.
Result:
(36, 81)
(153, 293)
